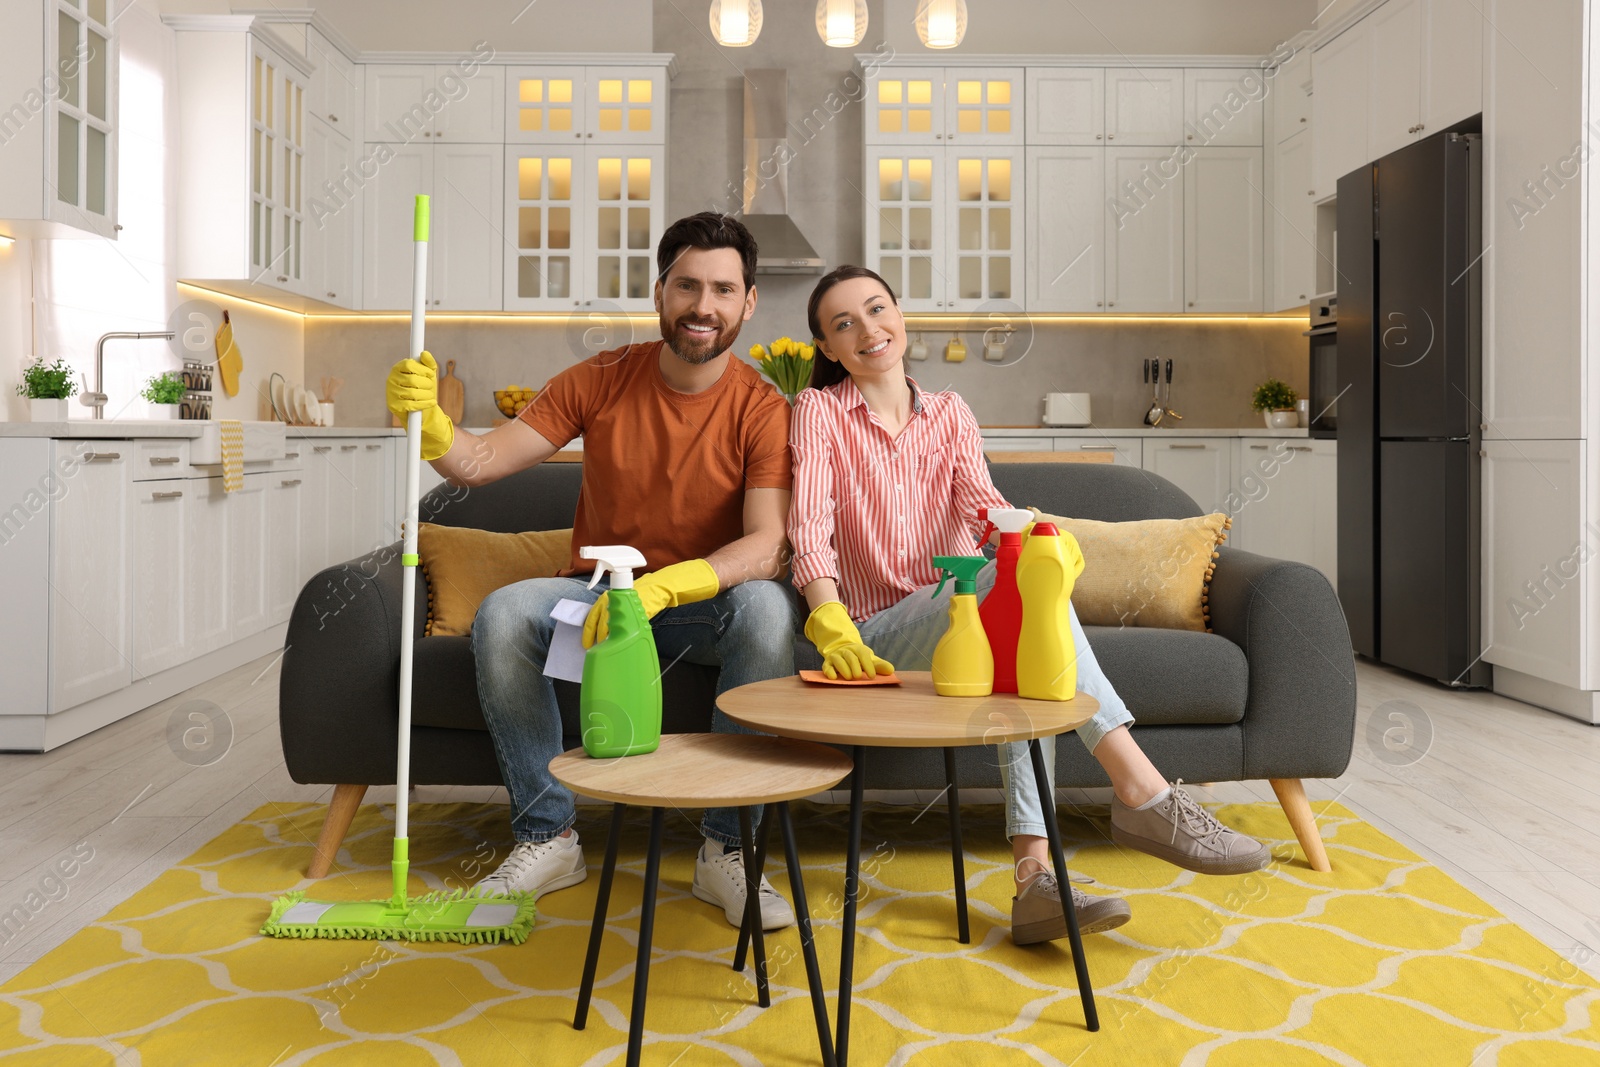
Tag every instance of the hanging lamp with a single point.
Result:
(841, 23)
(736, 23)
(941, 23)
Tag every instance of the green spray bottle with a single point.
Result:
(619, 708)
(963, 664)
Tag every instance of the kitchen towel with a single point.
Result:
(232, 455)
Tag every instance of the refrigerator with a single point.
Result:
(1409, 281)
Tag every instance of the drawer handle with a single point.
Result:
(348, 448)
(287, 482)
(1260, 448)
(322, 448)
(101, 457)
(373, 448)
(161, 461)
(173, 495)
(1098, 448)
(1186, 446)
(291, 455)
(1300, 448)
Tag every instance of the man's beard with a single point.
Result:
(695, 352)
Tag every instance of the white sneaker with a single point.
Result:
(539, 868)
(719, 879)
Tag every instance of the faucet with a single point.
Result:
(95, 398)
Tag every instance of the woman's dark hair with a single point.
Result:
(708, 229)
(825, 371)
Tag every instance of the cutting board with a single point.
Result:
(452, 395)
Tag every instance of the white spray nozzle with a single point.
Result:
(620, 560)
(1010, 520)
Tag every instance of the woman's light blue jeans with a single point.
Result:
(906, 634)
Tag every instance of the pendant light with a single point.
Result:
(736, 23)
(941, 23)
(841, 23)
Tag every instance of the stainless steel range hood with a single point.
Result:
(783, 249)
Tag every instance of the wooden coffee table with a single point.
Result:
(912, 715)
(704, 771)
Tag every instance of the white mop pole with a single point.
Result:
(408, 578)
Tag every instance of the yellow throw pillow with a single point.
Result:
(1149, 573)
(463, 566)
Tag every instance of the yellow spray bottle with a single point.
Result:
(963, 665)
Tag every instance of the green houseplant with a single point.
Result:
(166, 392)
(1275, 400)
(47, 387)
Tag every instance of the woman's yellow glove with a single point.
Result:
(844, 654)
(413, 385)
(688, 582)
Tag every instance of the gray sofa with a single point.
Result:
(1269, 695)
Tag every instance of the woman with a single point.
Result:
(887, 477)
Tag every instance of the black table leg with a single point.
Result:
(808, 947)
(957, 858)
(1047, 808)
(752, 907)
(761, 865)
(852, 875)
(647, 923)
(598, 927)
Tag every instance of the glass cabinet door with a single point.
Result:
(626, 105)
(985, 239)
(544, 105)
(905, 224)
(905, 105)
(277, 171)
(81, 48)
(983, 105)
(626, 196)
(542, 215)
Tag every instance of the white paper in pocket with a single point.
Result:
(565, 660)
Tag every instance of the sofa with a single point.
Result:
(1270, 694)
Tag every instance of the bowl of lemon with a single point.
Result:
(511, 400)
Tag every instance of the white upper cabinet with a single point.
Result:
(985, 231)
(544, 105)
(1452, 87)
(559, 105)
(905, 105)
(331, 216)
(906, 203)
(1144, 230)
(934, 105)
(1222, 219)
(59, 130)
(337, 86)
(623, 213)
(1144, 106)
(1293, 218)
(544, 214)
(1066, 247)
(1340, 78)
(1066, 106)
(1223, 106)
(457, 102)
(1394, 102)
(1290, 90)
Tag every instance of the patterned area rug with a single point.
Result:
(1384, 961)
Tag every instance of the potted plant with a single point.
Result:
(165, 391)
(787, 362)
(1275, 400)
(48, 387)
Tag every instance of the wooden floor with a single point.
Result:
(1502, 796)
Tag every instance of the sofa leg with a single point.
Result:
(341, 811)
(1292, 796)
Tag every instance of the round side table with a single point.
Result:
(704, 771)
(913, 715)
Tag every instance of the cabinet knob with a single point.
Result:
(1302, 296)
(1111, 137)
(1191, 303)
(1311, 192)
(1098, 303)
(335, 118)
(579, 136)
(332, 293)
(1099, 136)
(283, 277)
(589, 135)
(116, 226)
(1302, 118)
(1111, 303)
(1189, 137)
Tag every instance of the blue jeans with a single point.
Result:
(905, 635)
(747, 631)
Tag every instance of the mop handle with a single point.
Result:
(408, 577)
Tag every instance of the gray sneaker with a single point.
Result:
(1181, 832)
(1036, 914)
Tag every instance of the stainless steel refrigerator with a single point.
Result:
(1409, 341)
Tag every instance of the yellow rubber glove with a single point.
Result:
(844, 654)
(688, 582)
(413, 385)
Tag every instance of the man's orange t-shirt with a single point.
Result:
(663, 471)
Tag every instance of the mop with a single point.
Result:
(458, 915)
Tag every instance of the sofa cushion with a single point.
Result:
(1171, 677)
(463, 566)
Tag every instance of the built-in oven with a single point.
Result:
(1323, 337)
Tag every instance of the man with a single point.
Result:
(686, 458)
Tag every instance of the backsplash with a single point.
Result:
(1216, 363)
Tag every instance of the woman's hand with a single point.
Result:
(844, 654)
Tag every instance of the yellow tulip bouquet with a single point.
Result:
(787, 362)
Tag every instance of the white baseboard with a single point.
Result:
(41, 733)
(1580, 704)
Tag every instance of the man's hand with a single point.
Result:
(413, 385)
(844, 654)
(682, 583)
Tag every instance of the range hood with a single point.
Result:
(783, 249)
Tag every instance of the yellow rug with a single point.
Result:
(1384, 961)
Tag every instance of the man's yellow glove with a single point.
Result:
(688, 582)
(413, 385)
(844, 654)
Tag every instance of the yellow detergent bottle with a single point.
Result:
(1047, 658)
(963, 665)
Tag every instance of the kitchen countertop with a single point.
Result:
(1138, 431)
(132, 429)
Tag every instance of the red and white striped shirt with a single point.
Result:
(871, 512)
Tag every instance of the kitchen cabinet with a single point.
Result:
(247, 552)
(90, 567)
(1223, 106)
(1452, 83)
(457, 103)
(1223, 218)
(330, 217)
(934, 105)
(1394, 101)
(206, 620)
(1144, 106)
(1144, 235)
(1286, 501)
(1293, 219)
(337, 87)
(281, 529)
(1125, 451)
(906, 205)
(1065, 106)
(346, 496)
(160, 559)
(464, 182)
(1290, 93)
(1341, 75)
(1200, 466)
(60, 85)
(564, 105)
(1067, 243)
(314, 547)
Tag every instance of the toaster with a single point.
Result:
(1066, 409)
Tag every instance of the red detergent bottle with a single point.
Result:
(1001, 610)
